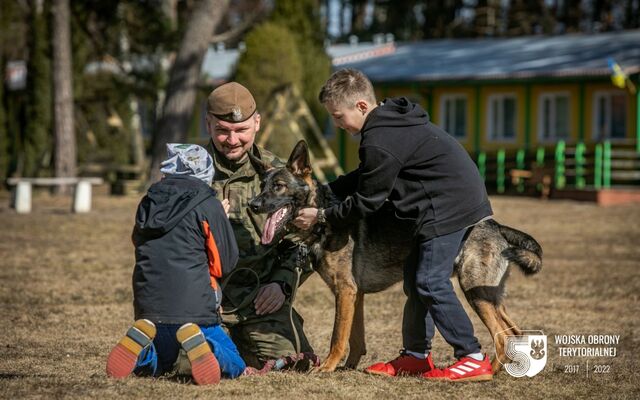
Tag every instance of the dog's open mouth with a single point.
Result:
(275, 221)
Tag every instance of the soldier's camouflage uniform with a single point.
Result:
(258, 337)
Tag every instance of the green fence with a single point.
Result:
(571, 166)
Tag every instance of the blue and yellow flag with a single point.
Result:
(619, 78)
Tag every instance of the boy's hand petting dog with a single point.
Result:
(269, 299)
(307, 218)
(225, 206)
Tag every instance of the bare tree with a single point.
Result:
(65, 138)
(183, 78)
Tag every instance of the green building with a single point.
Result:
(514, 101)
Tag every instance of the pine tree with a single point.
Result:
(99, 97)
(440, 19)
(270, 61)
(37, 141)
(526, 17)
(123, 32)
(569, 14)
(488, 18)
(302, 19)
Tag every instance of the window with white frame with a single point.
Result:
(453, 115)
(502, 117)
(609, 115)
(553, 117)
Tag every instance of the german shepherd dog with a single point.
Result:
(369, 256)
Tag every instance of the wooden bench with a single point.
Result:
(535, 176)
(81, 198)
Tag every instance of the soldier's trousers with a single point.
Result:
(260, 338)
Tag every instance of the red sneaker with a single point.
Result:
(404, 364)
(466, 369)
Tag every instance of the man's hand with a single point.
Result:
(269, 299)
(225, 206)
(307, 217)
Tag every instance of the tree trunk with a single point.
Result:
(183, 79)
(65, 138)
(37, 137)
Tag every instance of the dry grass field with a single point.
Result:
(66, 299)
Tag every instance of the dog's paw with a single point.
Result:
(325, 367)
(350, 365)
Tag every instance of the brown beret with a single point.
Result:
(231, 102)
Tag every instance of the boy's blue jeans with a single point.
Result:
(431, 300)
(160, 357)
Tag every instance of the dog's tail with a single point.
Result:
(525, 251)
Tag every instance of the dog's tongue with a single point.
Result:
(270, 225)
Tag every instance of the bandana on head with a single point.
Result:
(188, 159)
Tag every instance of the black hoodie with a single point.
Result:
(421, 169)
(172, 281)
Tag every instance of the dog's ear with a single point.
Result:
(299, 162)
(260, 166)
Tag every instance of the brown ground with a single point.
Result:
(66, 299)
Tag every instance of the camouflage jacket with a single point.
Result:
(239, 184)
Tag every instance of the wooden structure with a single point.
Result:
(535, 179)
(287, 120)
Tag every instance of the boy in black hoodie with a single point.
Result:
(183, 245)
(434, 185)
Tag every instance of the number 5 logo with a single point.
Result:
(527, 352)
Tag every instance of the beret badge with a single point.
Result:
(236, 114)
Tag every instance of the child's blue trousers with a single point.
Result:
(160, 356)
(431, 300)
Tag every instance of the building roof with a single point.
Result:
(567, 56)
(348, 53)
(505, 58)
(218, 64)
